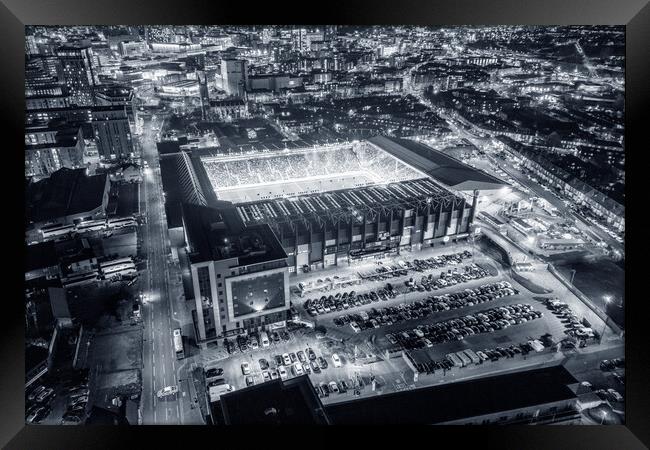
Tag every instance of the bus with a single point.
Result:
(178, 344)
(122, 222)
(56, 230)
(122, 267)
(93, 225)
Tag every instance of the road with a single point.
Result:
(159, 359)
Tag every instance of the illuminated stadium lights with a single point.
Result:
(286, 173)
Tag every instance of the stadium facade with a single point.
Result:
(298, 227)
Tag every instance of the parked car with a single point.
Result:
(336, 360)
(245, 368)
(213, 372)
(38, 414)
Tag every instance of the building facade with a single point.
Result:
(112, 132)
(76, 71)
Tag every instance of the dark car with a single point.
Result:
(278, 360)
(264, 364)
(322, 362)
(311, 354)
(213, 372)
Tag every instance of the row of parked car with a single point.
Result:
(346, 300)
(376, 318)
(333, 387)
(481, 356)
(574, 327)
(450, 278)
(488, 321)
(253, 341)
(296, 364)
(386, 271)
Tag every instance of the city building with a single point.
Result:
(66, 197)
(239, 272)
(234, 76)
(51, 147)
(112, 132)
(116, 95)
(76, 71)
(277, 402)
(133, 48)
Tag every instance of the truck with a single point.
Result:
(454, 359)
(473, 356)
(537, 345)
(464, 358)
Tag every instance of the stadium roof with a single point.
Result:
(275, 402)
(215, 234)
(438, 165)
(66, 192)
(459, 400)
(348, 204)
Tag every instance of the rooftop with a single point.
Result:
(276, 402)
(459, 400)
(218, 233)
(437, 165)
(65, 193)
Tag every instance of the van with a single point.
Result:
(264, 339)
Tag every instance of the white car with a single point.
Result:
(274, 374)
(355, 327)
(427, 342)
(286, 359)
(169, 390)
(297, 369)
(333, 387)
(418, 333)
(283, 373)
(266, 376)
(245, 368)
(254, 344)
(336, 360)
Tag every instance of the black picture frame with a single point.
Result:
(15, 14)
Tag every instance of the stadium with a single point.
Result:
(326, 204)
(288, 173)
